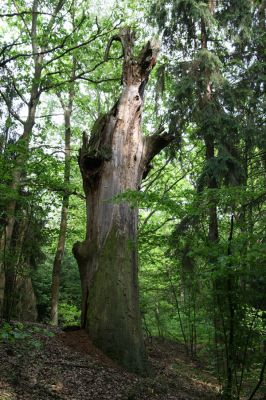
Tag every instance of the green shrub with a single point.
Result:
(68, 314)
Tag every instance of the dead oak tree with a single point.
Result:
(114, 160)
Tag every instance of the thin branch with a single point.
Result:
(153, 177)
(255, 201)
(58, 8)
(12, 112)
(81, 77)
(163, 196)
(155, 143)
(78, 46)
(10, 45)
(161, 225)
(49, 115)
(148, 217)
(58, 47)
(22, 17)
(68, 192)
(260, 381)
(46, 146)
(100, 80)
(109, 44)
(22, 13)
(15, 87)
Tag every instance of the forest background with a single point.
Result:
(202, 243)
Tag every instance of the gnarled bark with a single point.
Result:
(111, 162)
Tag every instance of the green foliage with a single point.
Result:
(68, 314)
(12, 332)
(70, 291)
(29, 335)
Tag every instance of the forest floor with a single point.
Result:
(47, 363)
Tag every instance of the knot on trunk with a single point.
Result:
(81, 251)
(91, 164)
(93, 153)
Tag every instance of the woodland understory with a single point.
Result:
(132, 199)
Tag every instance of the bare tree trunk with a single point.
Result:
(64, 212)
(112, 162)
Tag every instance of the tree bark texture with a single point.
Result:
(113, 161)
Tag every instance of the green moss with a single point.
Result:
(113, 318)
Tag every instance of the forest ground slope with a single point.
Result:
(48, 363)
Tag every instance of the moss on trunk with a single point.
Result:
(113, 319)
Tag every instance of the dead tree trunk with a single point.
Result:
(114, 160)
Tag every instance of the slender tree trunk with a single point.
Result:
(226, 284)
(18, 170)
(58, 261)
(64, 212)
(112, 162)
(220, 285)
(209, 138)
(14, 263)
(23, 150)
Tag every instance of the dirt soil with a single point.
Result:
(67, 366)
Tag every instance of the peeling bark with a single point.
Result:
(111, 162)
